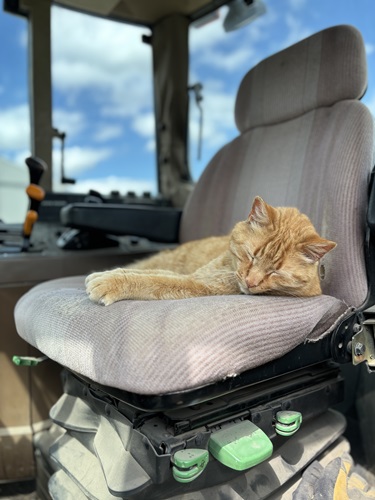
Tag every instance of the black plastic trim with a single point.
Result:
(160, 224)
(370, 244)
(13, 7)
(302, 356)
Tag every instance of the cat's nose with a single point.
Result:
(253, 281)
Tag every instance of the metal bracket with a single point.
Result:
(363, 345)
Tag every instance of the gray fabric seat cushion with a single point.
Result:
(159, 347)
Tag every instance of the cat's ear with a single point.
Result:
(260, 213)
(315, 249)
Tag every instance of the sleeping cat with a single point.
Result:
(275, 251)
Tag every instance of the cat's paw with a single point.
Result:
(105, 287)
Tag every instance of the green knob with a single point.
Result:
(189, 464)
(288, 422)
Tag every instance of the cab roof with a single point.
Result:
(143, 12)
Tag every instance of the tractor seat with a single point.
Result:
(304, 140)
(161, 347)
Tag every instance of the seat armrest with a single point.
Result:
(159, 224)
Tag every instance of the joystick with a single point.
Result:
(36, 195)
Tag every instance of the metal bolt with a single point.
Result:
(356, 328)
(359, 349)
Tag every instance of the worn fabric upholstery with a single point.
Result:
(156, 347)
(325, 68)
(304, 141)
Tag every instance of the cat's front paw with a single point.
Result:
(106, 287)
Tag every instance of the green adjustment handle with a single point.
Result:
(28, 360)
(240, 446)
(288, 422)
(189, 464)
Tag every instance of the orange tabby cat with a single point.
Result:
(275, 251)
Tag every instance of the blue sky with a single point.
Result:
(102, 85)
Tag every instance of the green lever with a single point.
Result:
(288, 422)
(189, 464)
(28, 360)
(240, 446)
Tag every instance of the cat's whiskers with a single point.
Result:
(244, 289)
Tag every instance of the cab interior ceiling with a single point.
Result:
(144, 12)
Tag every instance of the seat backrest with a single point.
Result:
(306, 141)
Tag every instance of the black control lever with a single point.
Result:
(36, 167)
(36, 195)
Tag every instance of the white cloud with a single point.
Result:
(218, 119)
(19, 157)
(207, 36)
(15, 130)
(23, 38)
(370, 48)
(296, 31)
(207, 43)
(76, 159)
(105, 58)
(15, 127)
(70, 122)
(79, 159)
(297, 4)
(261, 29)
(151, 146)
(233, 54)
(15, 138)
(144, 124)
(229, 61)
(107, 63)
(107, 132)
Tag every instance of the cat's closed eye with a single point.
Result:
(250, 255)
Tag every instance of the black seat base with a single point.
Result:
(145, 442)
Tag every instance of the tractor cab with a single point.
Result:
(231, 396)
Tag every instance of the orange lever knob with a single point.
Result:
(35, 192)
(31, 218)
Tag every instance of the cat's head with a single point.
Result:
(277, 251)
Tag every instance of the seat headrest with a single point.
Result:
(327, 67)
